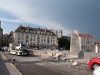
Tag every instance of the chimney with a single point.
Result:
(45, 29)
(28, 27)
(51, 30)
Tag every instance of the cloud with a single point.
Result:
(11, 20)
(65, 15)
(33, 12)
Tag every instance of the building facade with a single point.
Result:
(5, 40)
(82, 42)
(1, 34)
(35, 37)
(97, 46)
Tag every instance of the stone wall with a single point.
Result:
(89, 55)
(66, 54)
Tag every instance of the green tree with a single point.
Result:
(64, 42)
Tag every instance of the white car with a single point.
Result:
(21, 47)
(4, 48)
(96, 71)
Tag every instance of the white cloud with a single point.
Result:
(30, 14)
(11, 20)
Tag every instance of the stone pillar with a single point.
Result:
(74, 45)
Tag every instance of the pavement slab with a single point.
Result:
(7, 68)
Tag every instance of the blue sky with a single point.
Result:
(66, 15)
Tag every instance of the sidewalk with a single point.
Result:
(7, 68)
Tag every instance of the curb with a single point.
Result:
(19, 73)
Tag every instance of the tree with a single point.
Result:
(63, 42)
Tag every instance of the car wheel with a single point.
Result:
(94, 66)
(17, 53)
(9, 52)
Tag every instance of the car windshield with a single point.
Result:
(23, 45)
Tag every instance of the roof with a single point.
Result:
(97, 42)
(86, 35)
(32, 29)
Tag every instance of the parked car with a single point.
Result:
(94, 63)
(4, 48)
(96, 71)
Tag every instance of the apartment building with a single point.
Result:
(82, 42)
(1, 34)
(35, 37)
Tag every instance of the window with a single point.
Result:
(21, 42)
(84, 39)
(18, 38)
(26, 30)
(41, 32)
(33, 43)
(53, 37)
(41, 39)
(38, 32)
(53, 40)
(34, 39)
(18, 34)
(30, 43)
(91, 40)
(30, 31)
(22, 38)
(26, 34)
(22, 34)
(31, 35)
(34, 32)
(44, 36)
(18, 41)
(47, 41)
(22, 30)
(31, 39)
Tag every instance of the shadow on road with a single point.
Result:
(3, 68)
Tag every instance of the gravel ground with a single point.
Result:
(50, 68)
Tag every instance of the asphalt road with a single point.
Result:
(33, 65)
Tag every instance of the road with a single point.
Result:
(33, 65)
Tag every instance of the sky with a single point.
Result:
(66, 15)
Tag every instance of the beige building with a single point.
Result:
(1, 34)
(97, 46)
(35, 37)
(82, 42)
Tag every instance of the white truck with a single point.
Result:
(18, 49)
(21, 47)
